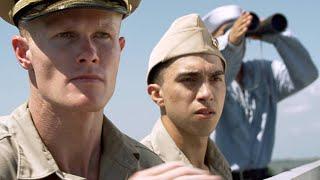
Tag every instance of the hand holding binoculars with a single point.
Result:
(275, 23)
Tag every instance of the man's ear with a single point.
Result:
(21, 48)
(122, 42)
(155, 92)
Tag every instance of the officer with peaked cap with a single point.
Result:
(246, 131)
(186, 79)
(71, 51)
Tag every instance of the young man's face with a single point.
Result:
(193, 92)
(74, 57)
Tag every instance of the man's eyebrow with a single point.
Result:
(109, 25)
(188, 73)
(217, 73)
(195, 73)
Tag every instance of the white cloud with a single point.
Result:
(303, 102)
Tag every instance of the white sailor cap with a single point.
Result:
(218, 16)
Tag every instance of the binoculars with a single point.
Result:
(275, 23)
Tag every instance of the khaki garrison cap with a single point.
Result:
(187, 35)
(13, 10)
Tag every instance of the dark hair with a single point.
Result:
(155, 75)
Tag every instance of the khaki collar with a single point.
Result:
(117, 148)
(34, 159)
(36, 162)
(164, 146)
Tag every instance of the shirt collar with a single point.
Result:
(164, 146)
(116, 148)
(34, 159)
(216, 161)
(36, 162)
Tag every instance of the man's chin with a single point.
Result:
(204, 130)
(91, 102)
(85, 105)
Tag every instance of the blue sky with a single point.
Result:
(132, 110)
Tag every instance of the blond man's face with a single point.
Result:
(74, 57)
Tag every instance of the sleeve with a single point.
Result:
(297, 69)
(233, 55)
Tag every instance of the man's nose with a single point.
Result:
(87, 52)
(205, 93)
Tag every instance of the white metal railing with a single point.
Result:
(309, 171)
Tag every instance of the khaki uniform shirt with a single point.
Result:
(160, 142)
(23, 155)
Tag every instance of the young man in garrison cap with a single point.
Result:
(186, 79)
(71, 51)
(245, 134)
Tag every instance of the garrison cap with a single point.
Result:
(220, 15)
(187, 35)
(14, 10)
